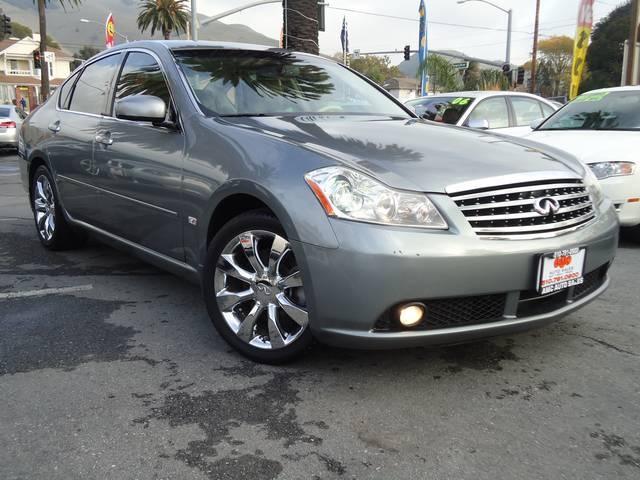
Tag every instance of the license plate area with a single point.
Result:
(560, 270)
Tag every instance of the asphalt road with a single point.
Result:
(117, 373)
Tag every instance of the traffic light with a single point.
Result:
(407, 52)
(506, 68)
(520, 80)
(36, 59)
(5, 26)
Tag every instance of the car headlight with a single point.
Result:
(348, 194)
(612, 169)
(593, 187)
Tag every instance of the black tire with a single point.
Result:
(633, 233)
(62, 236)
(247, 222)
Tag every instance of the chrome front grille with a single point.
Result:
(509, 211)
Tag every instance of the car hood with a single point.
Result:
(411, 154)
(591, 146)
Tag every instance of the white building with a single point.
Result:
(402, 88)
(18, 77)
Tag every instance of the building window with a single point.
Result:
(13, 65)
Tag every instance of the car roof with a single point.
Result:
(480, 94)
(615, 89)
(191, 45)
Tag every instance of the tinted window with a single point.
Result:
(493, 110)
(91, 91)
(141, 75)
(527, 110)
(5, 112)
(65, 93)
(247, 83)
(442, 109)
(599, 111)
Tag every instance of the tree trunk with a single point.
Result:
(44, 75)
(300, 29)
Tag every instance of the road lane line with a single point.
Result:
(45, 291)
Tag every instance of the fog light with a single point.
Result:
(412, 314)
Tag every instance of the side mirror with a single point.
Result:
(479, 124)
(142, 108)
(536, 123)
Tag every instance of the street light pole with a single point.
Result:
(194, 20)
(509, 14)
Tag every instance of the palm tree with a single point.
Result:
(44, 76)
(443, 76)
(164, 15)
(300, 29)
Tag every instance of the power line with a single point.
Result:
(430, 22)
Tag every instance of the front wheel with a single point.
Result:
(254, 292)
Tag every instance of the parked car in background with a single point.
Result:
(310, 203)
(602, 129)
(11, 118)
(509, 113)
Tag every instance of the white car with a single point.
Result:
(11, 118)
(602, 129)
(509, 113)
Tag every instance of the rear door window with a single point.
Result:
(526, 110)
(493, 110)
(91, 91)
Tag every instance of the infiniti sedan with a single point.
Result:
(308, 203)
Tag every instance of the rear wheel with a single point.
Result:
(53, 229)
(254, 291)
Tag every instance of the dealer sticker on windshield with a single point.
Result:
(560, 270)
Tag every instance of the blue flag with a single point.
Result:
(422, 47)
(344, 36)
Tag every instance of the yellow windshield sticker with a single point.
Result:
(591, 97)
(461, 101)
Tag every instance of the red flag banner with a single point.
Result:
(110, 32)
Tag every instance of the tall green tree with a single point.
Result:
(165, 15)
(378, 69)
(604, 57)
(556, 56)
(84, 53)
(443, 76)
(487, 79)
(42, 20)
(300, 25)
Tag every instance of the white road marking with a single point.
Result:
(45, 291)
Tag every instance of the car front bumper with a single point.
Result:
(621, 190)
(352, 288)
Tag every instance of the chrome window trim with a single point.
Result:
(502, 180)
(124, 197)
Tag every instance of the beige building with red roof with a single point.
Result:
(18, 77)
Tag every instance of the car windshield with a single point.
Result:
(255, 83)
(441, 109)
(599, 111)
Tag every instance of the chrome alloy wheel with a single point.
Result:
(259, 290)
(45, 208)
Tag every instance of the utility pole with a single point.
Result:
(634, 33)
(534, 55)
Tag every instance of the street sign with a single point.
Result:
(49, 57)
(461, 65)
(356, 54)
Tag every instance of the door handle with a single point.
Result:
(55, 126)
(104, 138)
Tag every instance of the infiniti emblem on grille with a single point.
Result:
(546, 206)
